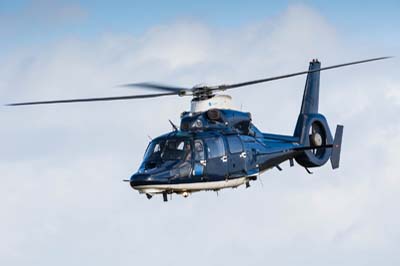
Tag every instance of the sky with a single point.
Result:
(62, 197)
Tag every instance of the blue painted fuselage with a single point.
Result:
(212, 150)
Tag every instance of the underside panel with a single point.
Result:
(192, 187)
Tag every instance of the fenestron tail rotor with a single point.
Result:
(196, 91)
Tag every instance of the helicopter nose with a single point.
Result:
(139, 179)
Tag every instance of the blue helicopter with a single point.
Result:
(217, 147)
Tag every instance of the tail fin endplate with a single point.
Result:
(337, 145)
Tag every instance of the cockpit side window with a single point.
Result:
(153, 150)
(157, 148)
(198, 150)
(180, 146)
(176, 149)
(170, 149)
(215, 147)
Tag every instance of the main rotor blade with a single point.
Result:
(116, 98)
(227, 87)
(156, 86)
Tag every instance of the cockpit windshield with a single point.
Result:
(170, 149)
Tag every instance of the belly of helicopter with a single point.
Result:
(192, 187)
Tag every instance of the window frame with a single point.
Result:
(195, 158)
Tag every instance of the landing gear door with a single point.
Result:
(217, 161)
(199, 161)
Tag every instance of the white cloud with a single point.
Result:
(62, 197)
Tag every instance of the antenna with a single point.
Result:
(173, 125)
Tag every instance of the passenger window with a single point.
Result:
(235, 145)
(198, 150)
(215, 147)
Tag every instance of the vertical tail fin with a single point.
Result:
(310, 101)
(311, 90)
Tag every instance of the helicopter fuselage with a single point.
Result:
(212, 150)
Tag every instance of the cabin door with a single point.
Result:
(236, 157)
(217, 161)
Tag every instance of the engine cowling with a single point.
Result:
(315, 133)
(216, 118)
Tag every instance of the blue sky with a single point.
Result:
(43, 22)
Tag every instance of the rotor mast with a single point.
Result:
(218, 101)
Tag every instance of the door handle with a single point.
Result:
(224, 159)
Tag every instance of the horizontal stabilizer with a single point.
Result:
(305, 148)
(337, 145)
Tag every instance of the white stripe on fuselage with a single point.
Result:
(192, 187)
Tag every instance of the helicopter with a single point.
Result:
(217, 147)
